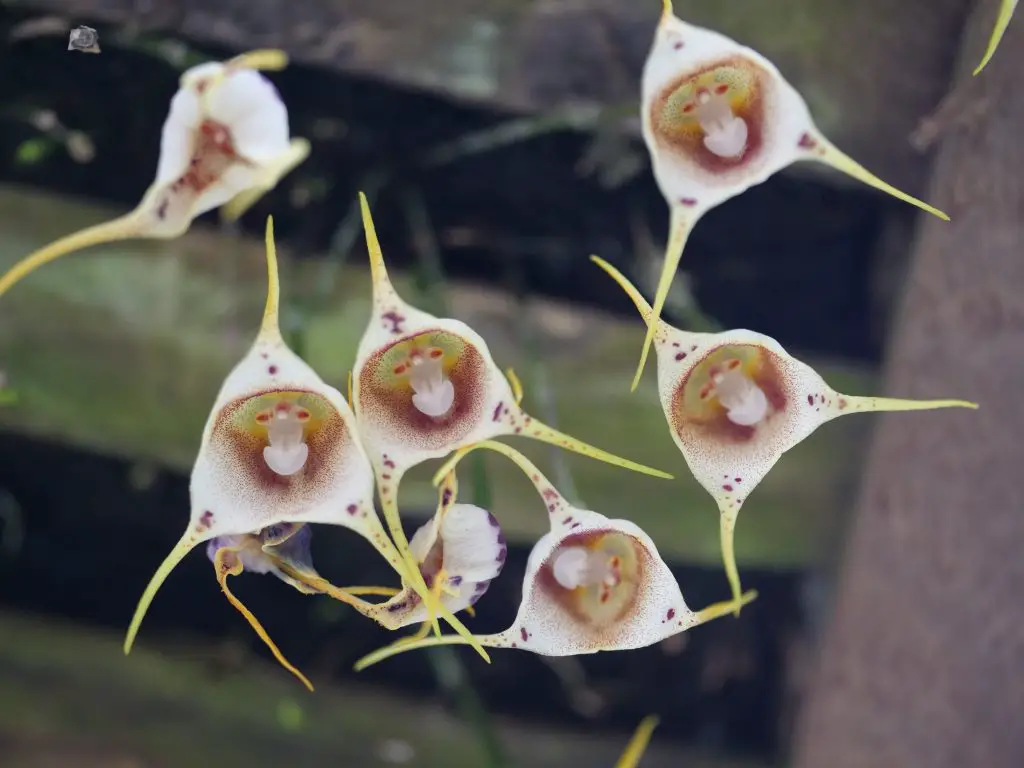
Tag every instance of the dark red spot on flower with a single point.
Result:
(272, 370)
(497, 412)
(807, 141)
(680, 356)
(206, 519)
(671, 614)
(395, 320)
(689, 202)
(524, 634)
(388, 462)
(727, 487)
(351, 509)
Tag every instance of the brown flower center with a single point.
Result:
(427, 389)
(715, 116)
(595, 576)
(281, 439)
(729, 394)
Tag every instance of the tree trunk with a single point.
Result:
(923, 664)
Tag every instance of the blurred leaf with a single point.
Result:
(33, 150)
(290, 715)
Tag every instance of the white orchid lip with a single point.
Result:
(427, 388)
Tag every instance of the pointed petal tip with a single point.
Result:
(267, 59)
(667, 11)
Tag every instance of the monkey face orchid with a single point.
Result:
(268, 551)
(1006, 9)
(225, 141)
(280, 446)
(592, 584)
(717, 119)
(425, 386)
(736, 401)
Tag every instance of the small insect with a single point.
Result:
(736, 401)
(84, 39)
(224, 143)
(718, 118)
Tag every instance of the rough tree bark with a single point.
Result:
(923, 664)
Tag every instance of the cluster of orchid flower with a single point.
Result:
(282, 449)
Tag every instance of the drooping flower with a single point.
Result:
(718, 118)
(266, 551)
(225, 143)
(736, 401)
(280, 446)
(459, 552)
(425, 386)
(1006, 9)
(592, 584)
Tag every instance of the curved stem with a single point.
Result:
(679, 231)
(727, 534)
